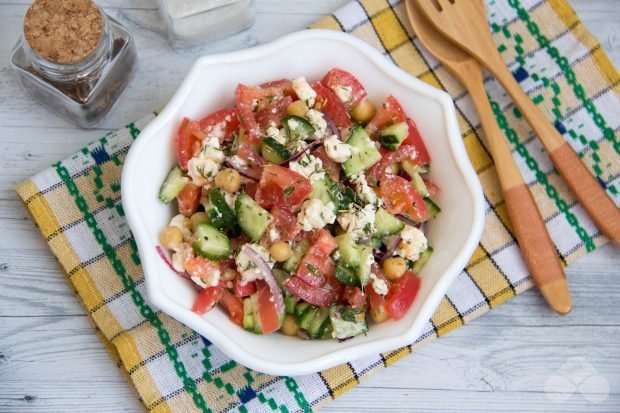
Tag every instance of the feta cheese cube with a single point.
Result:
(318, 121)
(365, 192)
(412, 244)
(379, 285)
(359, 223)
(345, 93)
(308, 166)
(304, 91)
(337, 150)
(315, 214)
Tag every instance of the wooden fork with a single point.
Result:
(464, 22)
(535, 243)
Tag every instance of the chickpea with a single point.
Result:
(228, 180)
(229, 274)
(363, 111)
(198, 218)
(378, 314)
(394, 268)
(297, 108)
(280, 251)
(170, 237)
(289, 325)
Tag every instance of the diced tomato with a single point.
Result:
(273, 112)
(432, 187)
(415, 139)
(324, 241)
(243, 289)
(354, 296)
(389, 113)
(252, 100)
(377, 171)
(401, 295)
(285, 222)
(399, 196)
(331, 105)
(188, 141)
(282, 186)
(331, 167)
(233, 305)
(201, 267)
(222, 124)
(338, 77)
(207, 298)
(315, 267)
(251, 188)
(285, 86)
(189, 199)
(253, 161)
(322, 296)
(267, 310)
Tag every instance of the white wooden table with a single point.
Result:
(51, 359)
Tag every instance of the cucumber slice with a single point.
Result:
(211, 243)
(307, 316)
(326, 330)
(250, 311)
(319, 319)
(433, 208)
(253, 219)
(172, 185)
(348, 321)
(347, 276)
(412, 168)
(375, 242)
(421, 262)
(418, 184)
(280, 276)
(299, 250)
(300, 308)
(221, 216)
(297, 128)
(386, 223)
(367, 156)
(321, 191)
(349, 250)
(366, 260)
(273, 151)
(392, 136)
(289, 304)
(326, 190)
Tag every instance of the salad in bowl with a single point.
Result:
(301, 209)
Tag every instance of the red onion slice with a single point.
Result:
(270, 279)
(391, 243)
(306, 149)
(405, 219)
(162, 254)
(380, 255)
(243, 169)
(331, 127)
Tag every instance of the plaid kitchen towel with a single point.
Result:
(76, 204)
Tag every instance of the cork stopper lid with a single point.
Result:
(63, 31)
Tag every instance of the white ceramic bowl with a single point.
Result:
(209, 86)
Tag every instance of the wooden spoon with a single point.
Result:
(464, 22)
(537, 249)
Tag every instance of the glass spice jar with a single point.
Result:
(196, 22)
(83, 82)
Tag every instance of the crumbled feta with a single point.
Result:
(337, 150)
(274, 234)
(315, 214)
(379, 285)
(364, 190)
(278, 134)
(230, 199)
(183, 253)
(412, 244)
(304, 91)
(343, 92)
(182, 223)
(318, 121)
(336, 254)
(296, 146)
(247, 268)
(212, 281)
(359, 223)
(308, 166)
(203, 167)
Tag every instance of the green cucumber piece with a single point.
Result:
(172, 185)
(433, 208)
(299, 250)
(253, 219)
(386, 223)
(347, 276)
(349, 250)
(307, 316)
(418, 184)
(392, 136)
(412, 168)
(280, 276)
(301, 307)
(273, 151)
(221, 216)
(297, 128)
(314, 328)
(250, 311)
(421, 262)
(321, 190)
(348, 321)
(290, 303)
(211, 243)
(363, 270)
(326, 330)
(367, 156)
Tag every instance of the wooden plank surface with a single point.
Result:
(52, 361)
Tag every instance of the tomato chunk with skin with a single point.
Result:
(389, 113)
(431, 186)
(331, 105)
(233, 305)
(341, 78)
(402, 294)
(354, 296)
(189, 199)
(285, 222)
(223, 124)
(324, 241)
(399, 196)
(241, 288)
(322, 296)
(331, 167)
(282, 187)
(188, 141)
(315, 267)
(415, 139)
(207, 298)
(378, 171)
(267, 310)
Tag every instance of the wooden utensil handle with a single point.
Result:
(537, 248)
(584, 186)
(589, 192)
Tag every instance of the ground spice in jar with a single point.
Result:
(63, 31)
